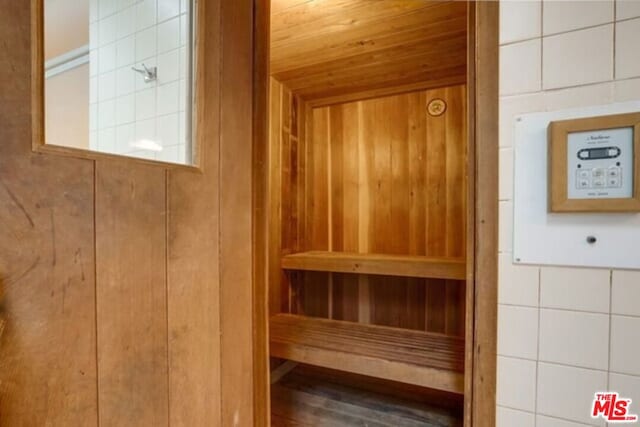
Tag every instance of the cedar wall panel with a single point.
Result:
(286, 184)
(131, 294)
(383, 176)
(114, 271)
(193, 266)
(48, 349)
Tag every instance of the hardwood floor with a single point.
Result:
(308, 400)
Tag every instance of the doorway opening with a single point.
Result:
(371, 220)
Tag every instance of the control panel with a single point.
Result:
(600, 164)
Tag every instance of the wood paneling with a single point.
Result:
(382, 176)
(47, 268)
(387, 175)
(286, 185)
(131, 294)
(114, 270)
(328, 48)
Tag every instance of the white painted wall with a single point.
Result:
(564, 333)
(125, 110)
(67, 108)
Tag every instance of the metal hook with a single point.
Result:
(150, 74)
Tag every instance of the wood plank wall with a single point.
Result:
(286, 183)
(378, 176)
(115, 272)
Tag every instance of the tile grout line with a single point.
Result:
(610, 329)
(613, 53)
(541, 48)
(535, 402)
(561, 33)
(554, 417)
(570, 310)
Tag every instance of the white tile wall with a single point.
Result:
(146, 46)
(560, 288)
(588, 335)
(578, 57)
(516, 383)
(169, 63)
(626, 9)
(629, 387)
(507, 417)
(124, 109)
(567, 392)
(594, 94)
(574, 338)
(125, 52)
(563, 16)
(168, 9)
(106, 86)
(168, 98)
(519, 284)
(511, 107)
(625, 293)
(169, 35)
(506, 227)
(145, 14)
(506, 174)
(627, 57)
(625, 345)
(520, 20)
(626, 90)
(169, 129)
(543, 421)
(517, 327)
(520, 67)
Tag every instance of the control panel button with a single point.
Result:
(613, 182)
(598, 183)
(584, 183)
(597, 172)
(613, 172)
(584, 174)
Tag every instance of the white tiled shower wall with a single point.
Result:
(125, 110)
(564, 333)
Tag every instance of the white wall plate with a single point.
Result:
(545, 238)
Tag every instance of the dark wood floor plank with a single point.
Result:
(302, 400)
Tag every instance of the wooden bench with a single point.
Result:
(408, 356)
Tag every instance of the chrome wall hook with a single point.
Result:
(150, 74)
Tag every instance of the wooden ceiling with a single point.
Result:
(331, 48)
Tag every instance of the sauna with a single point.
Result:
(370, 206)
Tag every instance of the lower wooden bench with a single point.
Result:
(414, 357)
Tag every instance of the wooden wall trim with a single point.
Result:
(236, 213)
(471, 207)
(261, 36)
(486, 84)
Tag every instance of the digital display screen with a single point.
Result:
(599, 153)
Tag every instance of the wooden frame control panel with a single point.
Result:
(594, 164)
